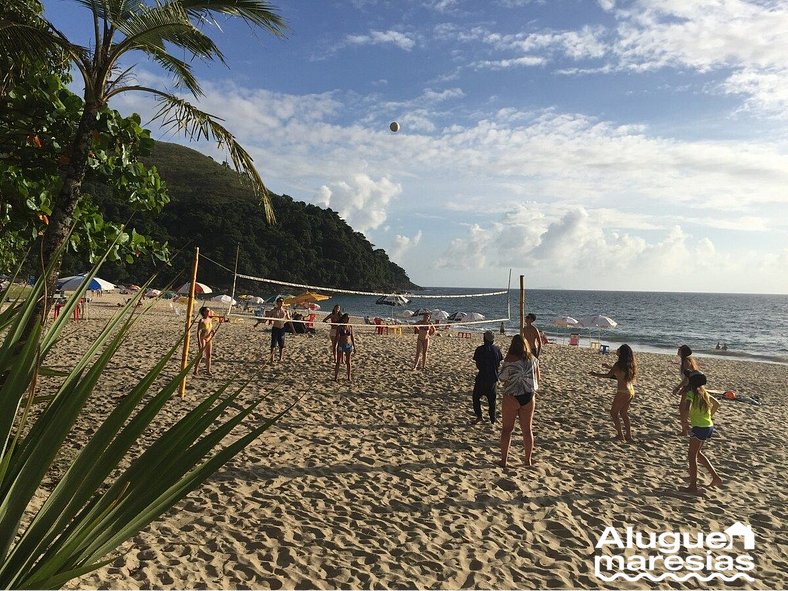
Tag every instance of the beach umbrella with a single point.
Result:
(406, 314)
(198, 288)
(565, 322)
(273, 298)
(224, 299)
(153, 293)
(305, 298)
(72, 283)
(597, 321)
(133, 287)
(440, 314)
(313, 306)
(394, 299)
(256, 300)
(422, 311)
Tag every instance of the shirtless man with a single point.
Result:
(531, 335)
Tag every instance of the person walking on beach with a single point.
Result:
(346, 345)
(280, 317)
(531, 335)
(624, 371)
(424, 330)
(700, 408)
(687, 365)
(520, 377)
(333, 318)
(488, 359)
(205, 334)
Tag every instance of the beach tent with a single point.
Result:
(199, 288)
(72, 283)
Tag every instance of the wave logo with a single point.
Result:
(676, 556)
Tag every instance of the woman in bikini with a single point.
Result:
(205, 332)
(624, 371)
(520, 376)
(346, 344)
(424, 330)
(687, 366)
(333, 318)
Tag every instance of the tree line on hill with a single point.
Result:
(212, 207)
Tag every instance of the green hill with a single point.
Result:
(211, 208)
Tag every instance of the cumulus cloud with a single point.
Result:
(402, 245)
(361, 201)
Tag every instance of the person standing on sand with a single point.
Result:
(624, 371)
(424, 330)
(346, 345)
(205, 334)
(686, 366)
(700, 408)
(280, 317)
(520, 377)
(531, 335)
(488, 358)
(333, 318)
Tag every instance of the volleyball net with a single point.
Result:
(444, 322)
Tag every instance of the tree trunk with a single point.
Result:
(62, 218)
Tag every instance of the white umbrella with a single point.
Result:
(406, 314)
(394, 299)
(198, 288)
(256, 300)
(224, 299)
(565, 322)
(440, 314)
(466, 317)
(153, 293)
(598, 321)
(72, 283)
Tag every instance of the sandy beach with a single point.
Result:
(383, 483)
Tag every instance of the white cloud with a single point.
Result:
(382, 38)
(361, 201)
(402, 245)
(766, 91)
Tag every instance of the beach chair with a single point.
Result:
(574, 339)
(594, 345)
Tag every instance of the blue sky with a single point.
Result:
(588, 144)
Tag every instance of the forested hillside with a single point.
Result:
(211, 208)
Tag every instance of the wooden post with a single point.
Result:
(522, 305)
(189, 312)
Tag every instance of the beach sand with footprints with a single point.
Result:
(382, 482)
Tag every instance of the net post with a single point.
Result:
(235, 275)
(522, 304)
(187, 328)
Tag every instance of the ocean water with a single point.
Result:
(754, 327)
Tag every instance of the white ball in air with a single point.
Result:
(394, 126)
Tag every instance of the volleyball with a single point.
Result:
(394, 126)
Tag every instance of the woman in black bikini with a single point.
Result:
(346, 344)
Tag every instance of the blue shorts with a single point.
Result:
(345, 348)
(702, 433)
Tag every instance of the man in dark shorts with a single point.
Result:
(280, 317)
(531, 335)
(488, 359)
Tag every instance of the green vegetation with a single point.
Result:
(169, 34)
(212, 207)
(117, 481)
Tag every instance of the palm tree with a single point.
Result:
(158, 30)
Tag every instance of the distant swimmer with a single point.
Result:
(718, 346)
(724, 347)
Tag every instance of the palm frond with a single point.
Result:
(153, 26)
(178, 114)
(254, 12)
